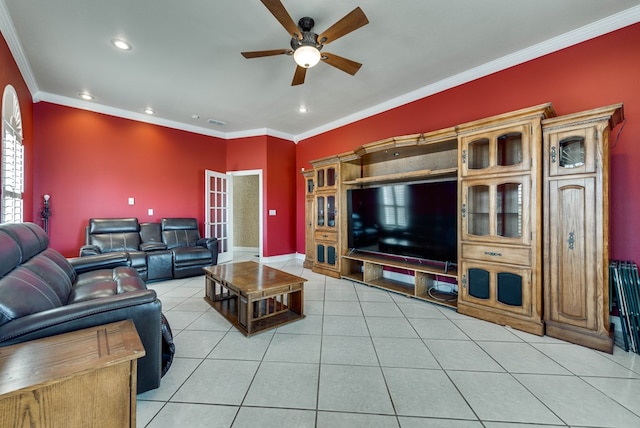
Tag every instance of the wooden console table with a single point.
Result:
(78, 379)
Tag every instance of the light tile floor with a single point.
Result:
(365, 357)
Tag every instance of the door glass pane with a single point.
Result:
(479, 154)
(479, 283)
(331, 211)
(509, 149)
(331, 176)
(478, 207)
(320, 178)
(572, 152)
(320, 216)
(309, 186)
(509, 288)
(509, 210)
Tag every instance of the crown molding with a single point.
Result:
(11, 37)
(579, 35)
(125, 114)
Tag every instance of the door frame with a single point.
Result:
(257, 172)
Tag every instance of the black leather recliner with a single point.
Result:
(106, 235)
(190, 252)
(42, 294)
(169, 249)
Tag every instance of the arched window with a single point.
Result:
(12, 158)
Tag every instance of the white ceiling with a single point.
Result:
(186, 55)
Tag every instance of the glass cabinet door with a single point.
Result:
(501, 150)
(494, 208)
(572, 152)
(320, 211)
(326, 177)
(326, 211)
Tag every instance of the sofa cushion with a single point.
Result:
(10, 253)
(57, 279)
(117, 241)
(180, 238)
(189, 256)
(30, 238)
(105, 282)
(113, 225)
(24, 293)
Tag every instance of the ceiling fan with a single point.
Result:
(306, 45)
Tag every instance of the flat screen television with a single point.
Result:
(417, 220)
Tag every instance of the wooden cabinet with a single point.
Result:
(532, 218)
(322, 213)
(576, 206)
(500, 243)
(78, 379)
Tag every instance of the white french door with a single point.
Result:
(218, 215)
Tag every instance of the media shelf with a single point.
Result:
(413, 279)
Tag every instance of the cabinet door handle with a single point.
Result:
(572, 240)
(554, 154)
(464, 156)
(464, 281)
(464, 210)
(493, 253)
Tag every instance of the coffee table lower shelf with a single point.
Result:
(229, 309)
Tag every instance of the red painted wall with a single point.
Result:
(595, 73)
(276, 158)
(10, 75)
(92, 163)
(280, 230)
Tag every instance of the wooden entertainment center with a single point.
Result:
(532, 219)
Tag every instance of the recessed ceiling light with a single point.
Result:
(86, 96)
(149, 110)
(121, 44)
(303, 109)
(217, 122)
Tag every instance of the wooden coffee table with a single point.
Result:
(254, 297)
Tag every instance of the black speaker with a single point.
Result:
(510, 289)
(479, 283)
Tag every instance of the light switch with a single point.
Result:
(150, 211)
(131, 201)
(272, 212)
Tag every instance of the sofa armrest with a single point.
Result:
(142, 306)
(153, 246)
(212, 245)
(100, 261)
(89, 250)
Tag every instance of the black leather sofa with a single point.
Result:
(42, 294)
(169, 249)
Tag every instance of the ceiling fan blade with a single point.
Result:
(298, 77)
(258, 54)
(344, 64)
(352, 21)
(280, 13)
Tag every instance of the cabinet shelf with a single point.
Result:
(418, 279)
(406, 176)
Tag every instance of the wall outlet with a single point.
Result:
(131, 201)
(272, 212)
(150, 211)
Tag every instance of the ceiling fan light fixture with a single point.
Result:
(306, 56)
